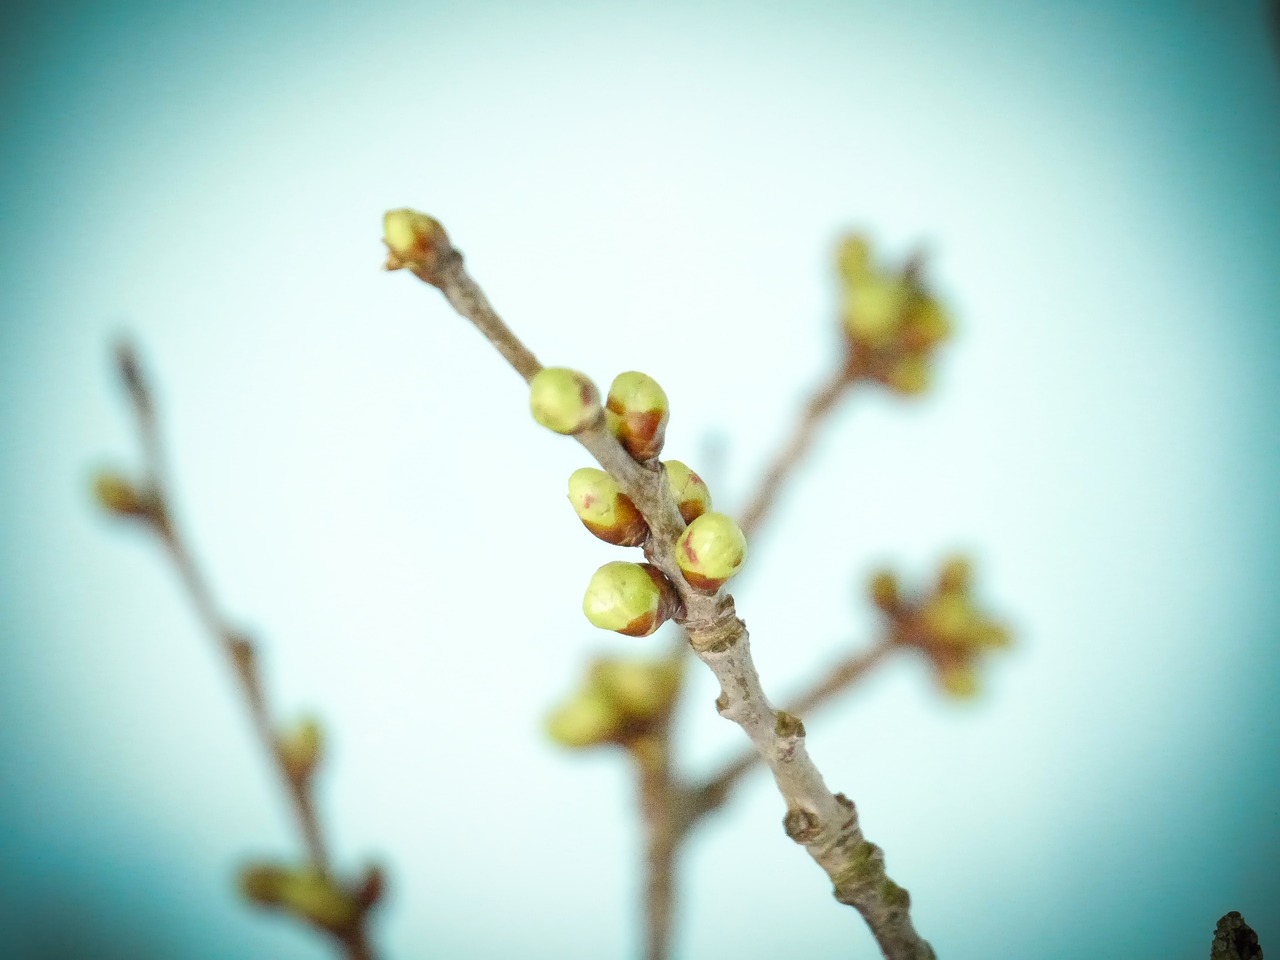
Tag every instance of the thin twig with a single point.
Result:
(239, 651)
(825, 823)
(819, 407)
(662, 828)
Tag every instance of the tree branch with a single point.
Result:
(239, 651)
(825, 823)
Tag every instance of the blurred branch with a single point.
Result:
(314, 893)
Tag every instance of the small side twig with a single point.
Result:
(153, 504)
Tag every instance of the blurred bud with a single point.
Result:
(688, 490)
(604, 509)
(563, 400)
(315, 897)
(414, 240)
(853, 258)
(643, 689)
(883, 588)
(117, 495)
(711, 550)
(874, 307)
(948, 618)
(926, 325)
(263, 884)
(956, 575)
(371, 888)
(300, 748)
(587, 720)
(639, 411)
(631, 598)
(910, 375)
(959, 680)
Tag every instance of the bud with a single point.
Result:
(639, 411)
(711, 550)
(642, 689)
(604, 509)
(955, 576)
(992, 635)
(853, 258)
(413, 239)
(119, 496)
(300, 748)
(959, 680)
(926, 325)
(563, 400)
(949, 620)
(630, 598)
(263, 884)
(688, 489)
(910, 375)
(883, 588)
(873, 308)
(314, 897)
(372, 887)
(589, 719)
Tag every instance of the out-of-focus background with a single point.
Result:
(652, 186)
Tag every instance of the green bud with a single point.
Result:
(949, 619)
(873, 309)
(413, 239)
(688, 489)
(630, 598)
(884, 591)
(119, 496)
(563, 400)
(853, 258)
(910, 375)
(955, 576)
(959, 680)
(263, 884)
(314, 897)
(926, 325)
(711, 550)
(604, 509)
(589, 719)
(301, 747)
(639, 411)
(643, 689)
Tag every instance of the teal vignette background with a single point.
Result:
(652, 186)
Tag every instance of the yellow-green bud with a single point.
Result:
(910, 375)
(949, 619)
(873, 308)
(590, 718)
(689, 490)
(630, 598)
(413, 239)
(263, 884)
(884, 591)
(642, 689)
(960, 680)
(639, 411)
(987, 634)
(119, 496)
(563, 400)
(301, 747)
(853, 258)
(711, 550)
(604, 509)
(926, 325)
(955, 576)
(314, 897)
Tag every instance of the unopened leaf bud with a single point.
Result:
(711, 550)
(604, 509)
(884, 591)
(910, 375)
(371, 887)
(853, 258)
(955, 576)
(688, 489)
(263, 884)
(926, 326)
(119, 496)
(873, 308)
(301, 747)
(414, 240)
(589, 719)
(949, 619)
(315, 897)
(639, 410)
(563, 400)
(642, 689)
(631, 598)
(959, 680)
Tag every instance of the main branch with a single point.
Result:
(825, 823)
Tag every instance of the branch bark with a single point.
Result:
(823, 822)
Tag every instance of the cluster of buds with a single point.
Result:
(893, 323)
(313, 896)
(945, 625)
(635, 598)
(620, 702)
